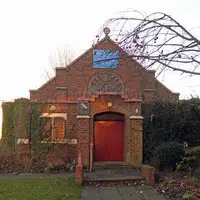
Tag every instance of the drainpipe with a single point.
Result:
(91, 156)
(52, 126)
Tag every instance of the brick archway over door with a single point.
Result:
(109, 137)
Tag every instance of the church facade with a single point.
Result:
(93, 106)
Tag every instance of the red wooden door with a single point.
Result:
(109, 140)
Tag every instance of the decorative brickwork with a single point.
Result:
(106, 82)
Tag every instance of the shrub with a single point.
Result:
(167, 155)
(9, 163)
(191, 160)
(165, 122)
(70, 167)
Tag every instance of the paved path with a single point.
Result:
(120, 193)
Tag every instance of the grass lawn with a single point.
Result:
(39, 189)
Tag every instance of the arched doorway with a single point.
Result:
(109, 136)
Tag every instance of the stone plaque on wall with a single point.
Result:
(83, 108)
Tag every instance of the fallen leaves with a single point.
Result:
(178, 188)
(113, 183)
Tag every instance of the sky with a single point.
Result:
(32, 30)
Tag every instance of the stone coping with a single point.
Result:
(55, 115)
(83, 117)
(136, 117)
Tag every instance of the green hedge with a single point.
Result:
(8, 136)
(165, 122)
(21, 119)
(167, 154)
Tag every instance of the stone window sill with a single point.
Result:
(65, 141)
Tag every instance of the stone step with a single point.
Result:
(98, 166)
(114, 175)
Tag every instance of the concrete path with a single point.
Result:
(120, 193)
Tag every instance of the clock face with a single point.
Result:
(83, 108)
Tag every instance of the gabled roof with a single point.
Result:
(91, 49)
(74, 61)
(46, 83)
(94, 46)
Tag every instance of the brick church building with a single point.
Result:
(93, 105)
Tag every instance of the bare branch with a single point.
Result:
(60, 58)
(157, 40)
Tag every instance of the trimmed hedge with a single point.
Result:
(166, 122)
(8, 135)
(21, 119)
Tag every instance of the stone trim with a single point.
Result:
(54, 115)
(64, 141)
(61, 88)
(132, 100)
(55, 101)
(32, 90)
(150, 89)
(83, 117)
(136, 117)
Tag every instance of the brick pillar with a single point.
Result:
(149, 173)
(79, 171)
(83, 138)
(136, 140)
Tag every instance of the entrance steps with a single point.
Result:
(98, 166)
(110, 165)
(112, 172)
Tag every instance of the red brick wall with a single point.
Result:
(83, 139)
(73, 82)
(163, 93)
(71, 122)
(78, 75)
(61, 153)
(153, 89)
(45, 92)
(119, 106)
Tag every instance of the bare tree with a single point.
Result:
(60, 58)
(157, 41)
